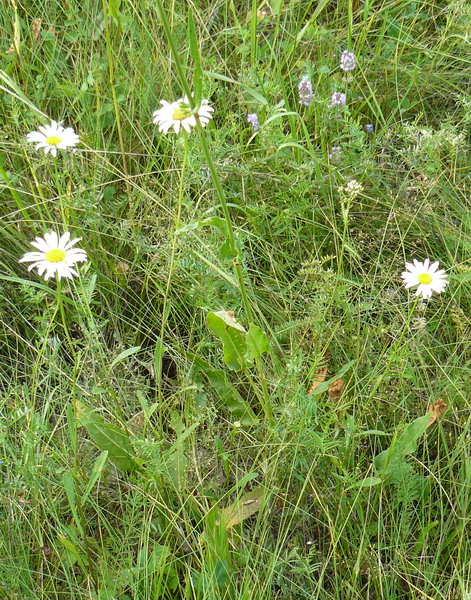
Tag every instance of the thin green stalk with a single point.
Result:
(172, 260)
(265, 399)
(60, 305)
(113, 94)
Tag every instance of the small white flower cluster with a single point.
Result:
(352, 189)
(338, 99)
(347, 61)
(306, 94)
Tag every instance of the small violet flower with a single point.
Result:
(306, 93)
(347, 61)
(252, 118)
(338, 99)
(369, 128)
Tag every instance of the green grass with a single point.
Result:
(123, 432)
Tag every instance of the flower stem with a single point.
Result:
(60, 305)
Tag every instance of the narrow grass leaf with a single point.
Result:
(123, 355)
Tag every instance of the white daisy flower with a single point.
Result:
(52, 137)
(426, 276)
(55, 255)
(179, 114)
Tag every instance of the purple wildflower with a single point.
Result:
(347, 61)
(252, 118)
(338, 99)
(305, 91)
(369, 128)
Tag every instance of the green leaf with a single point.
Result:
(69, 486)
(217, 222)
(106, 436)
(95, 474)
(114, 12)
(228, 395)
(404, 444)
(232, 336)
(257, 342)
(124, 355)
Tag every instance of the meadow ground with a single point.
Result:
(236, 397)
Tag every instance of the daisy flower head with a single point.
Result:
(347, 61)
(179, 115)
(55, 255)
(426, 276)
(53, 137)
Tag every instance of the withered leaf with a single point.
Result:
(242, 509)
(335, 389)
(319, 377)
(36, 28)
(436, 411)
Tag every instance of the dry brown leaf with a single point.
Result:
(243, 508)
(36, 28)
(436, 411)
(320, 376)
(335, 389)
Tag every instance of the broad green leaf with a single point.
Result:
(106, 436)
(123, 355)
(228, 395)
(114, 12)
(404, 444)
(232, 336)
(257, 342)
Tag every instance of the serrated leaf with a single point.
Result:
(242, 509)
(112, 438)
(257, 342)
(232, 335)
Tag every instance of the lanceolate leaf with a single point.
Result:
(242, 509)
(112, 438)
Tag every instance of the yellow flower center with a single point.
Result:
(424, 278)
(181, 113)
(53, 140)
(55, 255)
